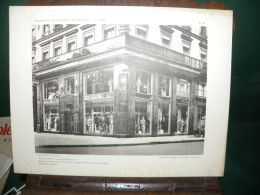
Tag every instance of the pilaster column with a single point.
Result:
(174, 105)
(155, 105)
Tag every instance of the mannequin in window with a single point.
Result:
(111, 122)
(138, 85)
(110, 84)
(89, 124)
(164, 125)
(142, 125)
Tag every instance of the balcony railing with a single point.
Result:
(122, 41)
(183, 95)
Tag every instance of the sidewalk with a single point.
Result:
(65, 140)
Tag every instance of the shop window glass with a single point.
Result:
(51, 119)
(202, 90)
(99, 82)
(143, 83)
(51, 90)
(183, 89)
(70, 85)
(182, 119)
(163, 117)
(164, 87)
(99, 120)
(142, 119)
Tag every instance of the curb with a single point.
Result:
(113, 145)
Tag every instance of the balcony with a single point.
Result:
(119, 42)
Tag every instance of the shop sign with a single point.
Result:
(167, 53)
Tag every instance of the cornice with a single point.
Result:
(183, 30)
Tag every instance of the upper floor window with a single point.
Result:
(89, 38)
(46, 29)
(164, 87)
(183, 89)
(45, 53)
(33, 34)
(57, 49)
(70, 85)
(142, 31)
(203, 54)
(186, 47)
(71, 44)
(202, 90)
(109, 31)
(99, 82)
(143, 82)
(50, 90)
(166, 39)
(203, 30)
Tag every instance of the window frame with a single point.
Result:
(66, 85)
(168, 36)
(87, 33)
(57, 45)
(70, 40)
(138, 71)
(45, 96)
(44, 50)
(170, 85)
(106, 27)
(142, 28)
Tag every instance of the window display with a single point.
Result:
(51, 90)
(142, 118)
(143, 82)
(99, 119)
(163, 117)
(183, 89)
(164, 87)
(99, 82)
(51, 119)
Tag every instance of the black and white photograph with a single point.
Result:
(119, 89)
(105, 92)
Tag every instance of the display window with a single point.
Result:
(164, 86)
(51, 90)
(142, 118)
(70, 85)
(98, 119)
(182, 119)
(99, 82)
(143, 82)
(183, 89)
(51, 119)
(163, 118)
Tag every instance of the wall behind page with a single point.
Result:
(242, 168)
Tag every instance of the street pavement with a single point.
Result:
(186, 148)
(61, 140)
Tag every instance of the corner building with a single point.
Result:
(119, 80)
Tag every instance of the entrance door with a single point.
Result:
(69, 119)
(182, 119)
